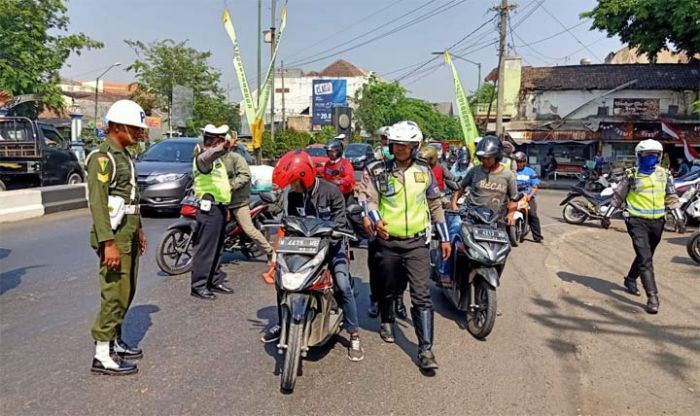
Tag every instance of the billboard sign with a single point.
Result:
(327, 93)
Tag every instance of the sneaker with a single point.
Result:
(355, 351)
(272, 334)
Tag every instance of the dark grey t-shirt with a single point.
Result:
(489, 190)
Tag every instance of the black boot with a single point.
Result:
(423, 324)
(373, 310)
(386, 329)
(125, 351)
(106, 361)
(631, 286)
(399, 307)
(649, 284)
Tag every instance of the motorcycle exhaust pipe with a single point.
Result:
(580, 209)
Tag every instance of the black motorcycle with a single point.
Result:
(693, 247)
(581, 204)
(310, 309)
(479, 254)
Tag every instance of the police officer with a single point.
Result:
(647, 190)
(402, 197)
(116, 235)
(213, 190)
(529, 182)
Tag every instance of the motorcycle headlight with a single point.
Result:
(168, 177)
(294, 281)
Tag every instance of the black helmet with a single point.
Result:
(335, 145)
(490, 146)
(520, 157)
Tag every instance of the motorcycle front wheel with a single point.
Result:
(515, 234)
(480, 320)
(292, 356)
(693, 247)
(174, 253)
(573, 215)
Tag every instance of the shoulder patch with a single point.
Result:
(420, 177)
(103, 161)
(103, 177)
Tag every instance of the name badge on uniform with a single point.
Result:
(205, 205)
(420, 177)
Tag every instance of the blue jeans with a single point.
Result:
(454, 223)
(340, 264)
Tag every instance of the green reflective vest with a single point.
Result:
(215, 182)
(404, 207)
(647, 193)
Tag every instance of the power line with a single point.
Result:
(428, 15)
(571, 33)
(554, 35)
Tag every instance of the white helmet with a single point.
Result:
(382, 131)
(127, 112)
(648, 145)
(405, 132)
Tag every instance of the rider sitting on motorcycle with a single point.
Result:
(528, 182)
(460, 169)
(338, 170)
(316, 197)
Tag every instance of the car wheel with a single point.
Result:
(2, 186)
(74, 179)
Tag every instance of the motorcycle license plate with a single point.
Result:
(299, 245)
(486, 234)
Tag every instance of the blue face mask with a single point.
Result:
(647, 164)
(386, 153)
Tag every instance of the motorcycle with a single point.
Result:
(693, 247)
(310, 309)
(175, 250)
(690, 206)
(521, 226)
(593, 206)
(479, 253)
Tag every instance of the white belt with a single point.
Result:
(132, 209)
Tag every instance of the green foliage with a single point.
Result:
(164, 64)
(696, 107)
(484, 95)
(32, 50)
(382, 104)
(325, 134)
(650, 25)
(286, 140)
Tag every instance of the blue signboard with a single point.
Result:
(327, 93)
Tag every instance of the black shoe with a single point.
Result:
(538, 239)
(122, 349)
(386, 332)
(426, 360)
(652, 305)
(400, 308)
(124, 367)
(423, 324)
(373, 310)
(205, 294)
(631, 286)
(221, 288)
(272, 334)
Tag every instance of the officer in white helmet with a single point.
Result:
(117, 234)
(647, 189)
(402, 199)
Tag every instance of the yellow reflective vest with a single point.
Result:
(647, 193)
(404, 206)
(215, 182)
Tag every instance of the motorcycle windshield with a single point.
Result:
(308, 226)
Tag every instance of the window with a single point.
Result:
(167, 151)
(16, 130)
(51, 137)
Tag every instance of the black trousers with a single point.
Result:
(207, 249)
(534, 220)
(398, 263)
(646, 235)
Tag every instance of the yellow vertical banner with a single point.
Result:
(248, 103)
(466, 119)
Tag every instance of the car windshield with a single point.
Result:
(316, 151)
(170, 151)
(354, 151)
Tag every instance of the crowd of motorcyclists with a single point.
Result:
(410, 203)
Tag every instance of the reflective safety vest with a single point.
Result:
(647, 193)
(215, 182)
(404, 206)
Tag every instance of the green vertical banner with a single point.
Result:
(267, 84)
(466, 119)
(248, 103)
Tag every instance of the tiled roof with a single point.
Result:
(342, 69)
(605, 77)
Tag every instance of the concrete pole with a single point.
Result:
(284, 108)
(272, 87)
(501, 68)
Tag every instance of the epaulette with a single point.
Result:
(376, 168)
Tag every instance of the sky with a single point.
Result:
(407, 31)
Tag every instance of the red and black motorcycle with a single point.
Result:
(175, 251)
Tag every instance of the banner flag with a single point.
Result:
(466, 120)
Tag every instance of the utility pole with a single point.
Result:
(503, 10)
(272, 87)
(284, 108)
(97, 86)
(259, 47)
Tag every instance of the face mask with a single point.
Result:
(647, 164)
(386, 153)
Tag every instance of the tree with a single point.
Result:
(162, 65)
(32, 50)
(650, 25)
(484, 95)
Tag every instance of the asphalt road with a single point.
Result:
(568, 339)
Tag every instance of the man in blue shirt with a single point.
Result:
(529, 182)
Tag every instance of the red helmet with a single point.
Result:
(292, 166)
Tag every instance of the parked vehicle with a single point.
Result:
(310, 310)
(359, 154)
(693, 247)
(581, 205)
(690, 207)
(318, 156)
(33, 153)
(479, 254)
(174, 252)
